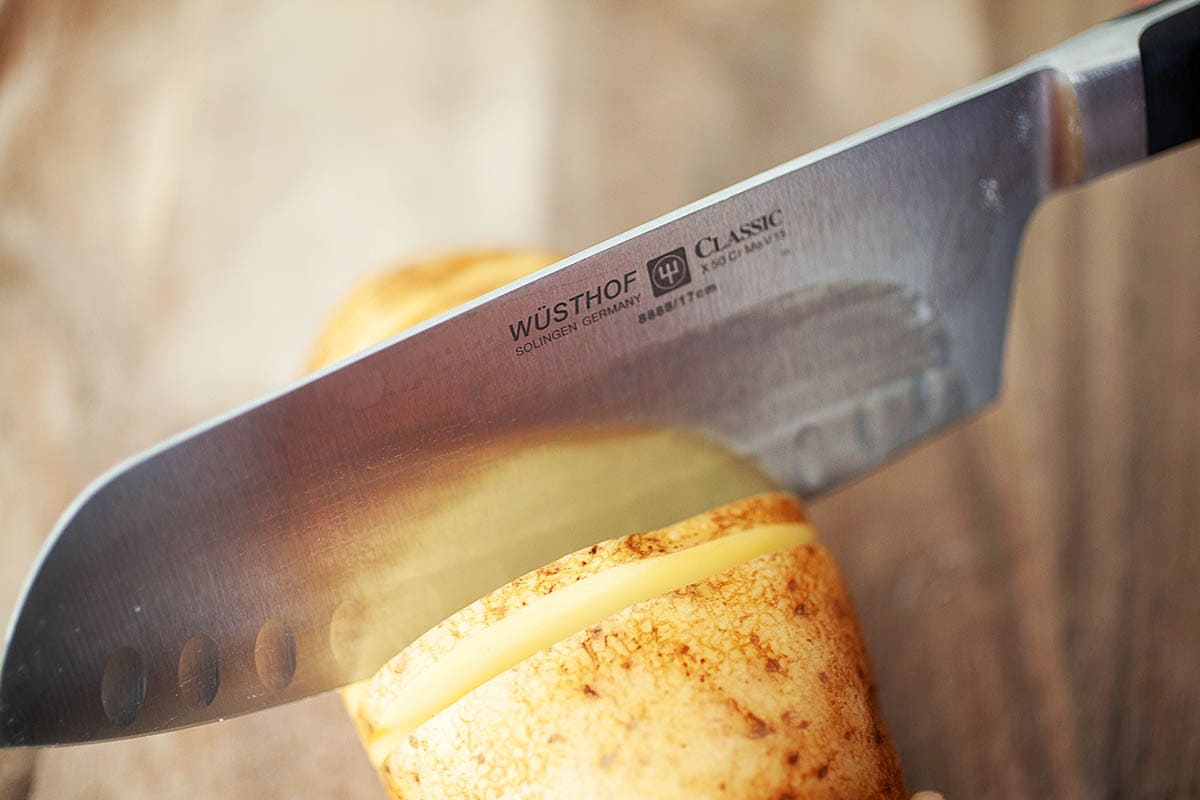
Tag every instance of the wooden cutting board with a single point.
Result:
(186, 190)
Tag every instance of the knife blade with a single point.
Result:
(802, 327)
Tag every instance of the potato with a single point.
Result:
(752, 682)
(718, 657)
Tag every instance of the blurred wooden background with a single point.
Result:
(187, 188)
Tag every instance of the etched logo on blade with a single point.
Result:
(668, 272)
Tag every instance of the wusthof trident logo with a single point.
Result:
(668, 272)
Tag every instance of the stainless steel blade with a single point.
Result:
(813, 321)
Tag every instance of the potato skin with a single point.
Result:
(400, 298)
(753, 683)
(735, 687)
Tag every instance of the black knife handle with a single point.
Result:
(1170, 50)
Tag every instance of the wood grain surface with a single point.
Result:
(186, 189)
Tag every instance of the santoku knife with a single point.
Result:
(814, 320)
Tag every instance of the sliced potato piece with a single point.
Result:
(750, 682)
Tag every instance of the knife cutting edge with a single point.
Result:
(813, 322)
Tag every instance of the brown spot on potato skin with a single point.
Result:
(589, 691)
(800, 610)
(773, 665)
(758, 727)
(792, 758)
(587, 645)
(822, 771)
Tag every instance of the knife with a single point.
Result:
(804, 326)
